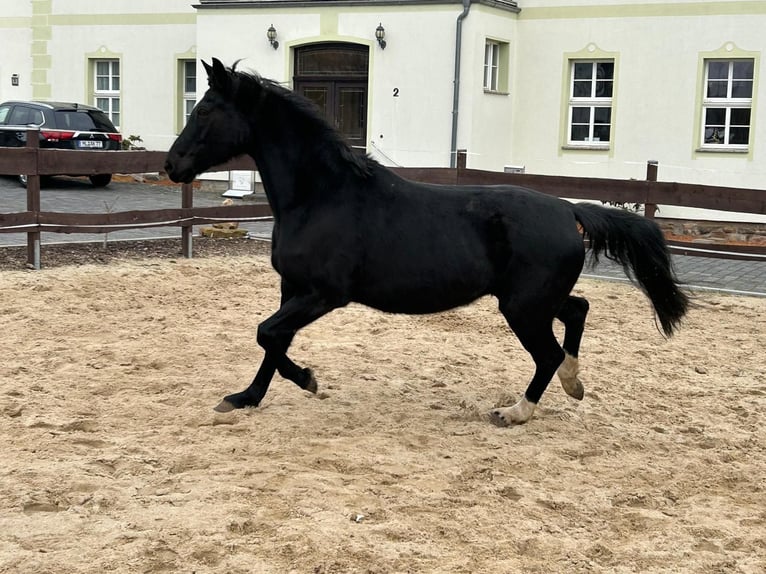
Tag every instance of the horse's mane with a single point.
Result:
(249, 85)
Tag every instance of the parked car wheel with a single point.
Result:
(101, 179)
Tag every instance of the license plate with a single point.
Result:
(90, 143)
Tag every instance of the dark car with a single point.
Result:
(61, 126)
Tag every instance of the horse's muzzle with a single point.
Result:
(177, 173)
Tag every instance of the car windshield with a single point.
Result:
(83, 120)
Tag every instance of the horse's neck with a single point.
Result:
(291, 177)
(278, 183)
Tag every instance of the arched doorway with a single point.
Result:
(334, 76)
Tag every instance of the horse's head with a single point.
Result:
(217, 129)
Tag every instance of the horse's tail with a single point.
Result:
(637, 244)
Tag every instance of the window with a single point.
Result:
(496, 67)
(25, 116)
(491, 66)
(106, 91)
(189, 91)
(590, 102)
(727, 104)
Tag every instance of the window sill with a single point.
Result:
(496, 92)
(722, 150)
(586, 147)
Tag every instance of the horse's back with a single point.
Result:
(428, 248)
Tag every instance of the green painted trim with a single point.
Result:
(729, 51)
(122, 19)
(315, 7)
(42, 6)
(372, 46)
(41, 33)
(179, 58)
(328, 22)
(494, 11)
(291, 45)
(369, 5)
(41, 92)
(103, 53)
(39, 77)
(589, 52)
(42, 62)
(15, 22)
(504, 65)
(38, 48)
(584, 12)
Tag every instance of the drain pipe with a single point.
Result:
(456, 82)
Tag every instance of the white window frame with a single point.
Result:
(721, 133)
(492, 66)
(106, 96)
(188, 97)
(592, 102)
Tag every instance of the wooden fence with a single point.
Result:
(35, 162)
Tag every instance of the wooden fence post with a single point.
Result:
(650, 209)
(462, 158)
(460, 164)
(33, 202)
(187, 230)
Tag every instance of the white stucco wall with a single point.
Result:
(48, 44)
(657, 90)
(15, 56)
(147, 36)
(414, 127)
(410, 129)
(658, 48)
(486, 119)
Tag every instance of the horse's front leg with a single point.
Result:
(275, 335)
(252, 395)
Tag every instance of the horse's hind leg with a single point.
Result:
(535, 332)
(572, 314)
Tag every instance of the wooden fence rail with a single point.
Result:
(35, 162)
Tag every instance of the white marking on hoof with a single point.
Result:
(567, 373)
(311, 384)
(518, 414)
(223, 407)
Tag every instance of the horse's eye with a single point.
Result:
(202, 112)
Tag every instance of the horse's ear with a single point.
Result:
(218, 77)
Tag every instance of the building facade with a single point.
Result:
(566, 87)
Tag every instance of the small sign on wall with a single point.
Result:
(241, 183)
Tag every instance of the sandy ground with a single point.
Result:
(113, 460)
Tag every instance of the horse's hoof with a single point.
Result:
(497, 418)
(518, 414)
(573, 387)
(311, 383)
(236, 401)
(567, 373)
(224, 407)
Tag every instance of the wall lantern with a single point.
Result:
(271, 34)
(380, 33)
(15, 80)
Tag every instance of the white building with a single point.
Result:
(567, 87)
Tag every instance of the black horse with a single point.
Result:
(348, 229)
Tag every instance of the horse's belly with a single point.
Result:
(420, 294)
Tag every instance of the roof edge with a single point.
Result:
(509, 5)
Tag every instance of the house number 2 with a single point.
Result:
(396, 92)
